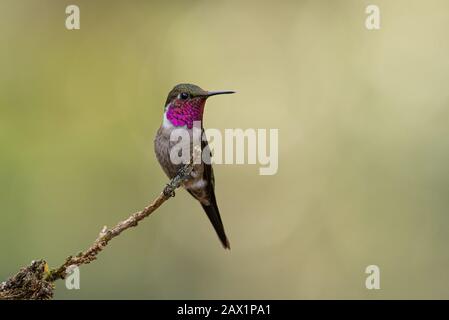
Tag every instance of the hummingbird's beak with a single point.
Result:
(214, 93)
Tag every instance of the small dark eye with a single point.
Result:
(184, 95)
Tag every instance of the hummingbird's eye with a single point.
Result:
(184, 95)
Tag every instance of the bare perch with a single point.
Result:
(36, 281)
(107, 235)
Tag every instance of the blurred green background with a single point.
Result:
(363, 120)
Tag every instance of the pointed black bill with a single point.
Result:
(215, 93)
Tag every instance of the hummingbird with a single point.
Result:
(185, 105)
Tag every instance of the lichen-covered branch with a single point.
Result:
(29, 283)
(36, 281)
(107, 235)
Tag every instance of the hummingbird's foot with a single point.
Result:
(169, 190)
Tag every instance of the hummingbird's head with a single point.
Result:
(185, 104)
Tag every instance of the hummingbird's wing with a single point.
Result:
(211, 208)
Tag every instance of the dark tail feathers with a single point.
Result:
(214, 217)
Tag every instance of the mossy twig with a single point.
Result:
(36, 281)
